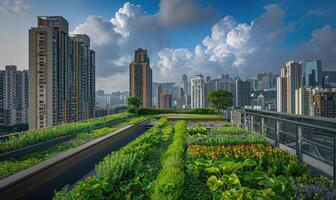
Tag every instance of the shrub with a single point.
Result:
(153, 111)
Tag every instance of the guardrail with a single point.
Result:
(311, 139)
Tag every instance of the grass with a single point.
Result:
(36, 136)
(124, 174)
(12, 166)
(170, 180)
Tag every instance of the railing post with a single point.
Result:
(245, 120)
(298, 142)
(252, 123)
(262, 125)
(277, 133)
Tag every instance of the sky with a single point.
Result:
(237, 37)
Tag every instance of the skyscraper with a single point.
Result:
(302, 98)
(281, 94)
(185, 84)
(82, 80)
(243, 93)
(289, 80)
(62, 74)
(322, 103)
(198, 92)
(313, 73)
(141, 78)
(165, 100)
(158, 92)
(14, 96)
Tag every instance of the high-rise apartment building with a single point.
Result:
(82, 95)
(62, 74)
(322, 103)
(281, 94)
(198, 91)
(289, 81)
(302, 97)
(313, 73)
(141, 78)
(243, 93)
(165, 100)
(14, 96)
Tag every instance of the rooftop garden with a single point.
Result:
(191, 161)
(14, 165)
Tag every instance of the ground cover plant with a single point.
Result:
(176, 162)
(237, 164)
(186, 116)
(36, 136)
(12, 166)
(127, 173)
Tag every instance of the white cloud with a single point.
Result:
(14, 6)
(114, 40)
(238, 48)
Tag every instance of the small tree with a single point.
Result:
(133, 104)
(220, 100)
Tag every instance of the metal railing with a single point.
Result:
(311, 139)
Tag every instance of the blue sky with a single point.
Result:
(239, 37)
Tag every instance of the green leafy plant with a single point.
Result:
(36, 136)
(170, 180)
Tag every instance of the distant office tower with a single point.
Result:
(165, 100)
(141, 78)
(2, 99)
(323, 103)
(313, 73)
(290, 79)
(261, 101)
(14, 96)
(329, 79)
(180, 100)
(158, 92)
(185, 84)
(264, 81)
(243, 93)
(302, 97)
(198, 91)
(62, 74)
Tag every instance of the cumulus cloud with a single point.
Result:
(115, 40)
(184, 12)
(238, 48)
(321, 46)
(14, 6)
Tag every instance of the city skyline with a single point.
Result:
(225, 42)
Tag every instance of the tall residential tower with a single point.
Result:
(141, 78)
(61, 74)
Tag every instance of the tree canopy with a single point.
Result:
(133, 104)
(220, 100)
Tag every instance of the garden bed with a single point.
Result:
(201, 163)
(32, 137)
(12, 166)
